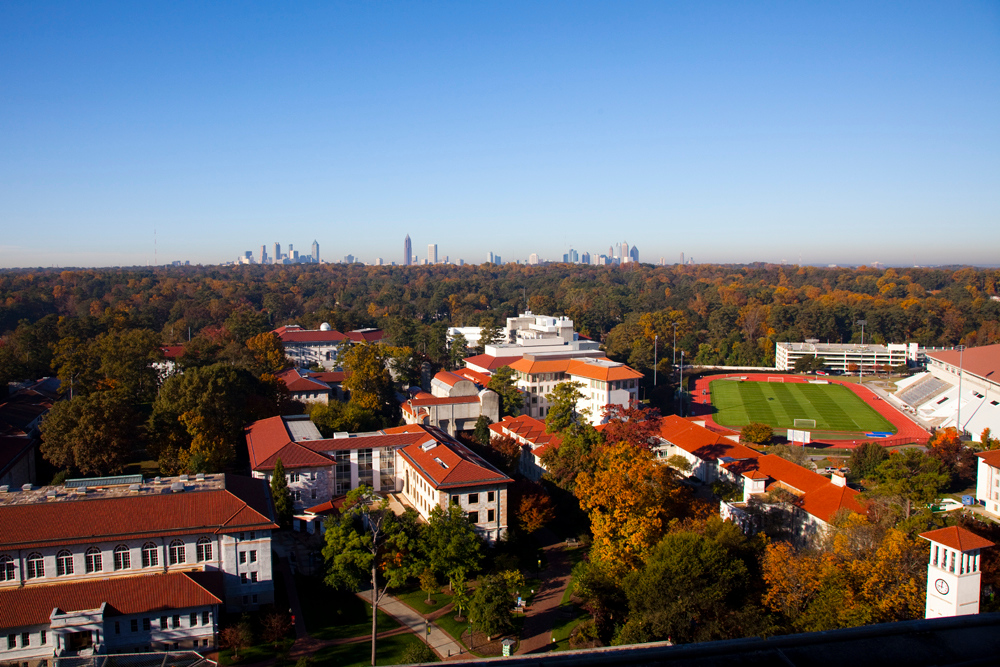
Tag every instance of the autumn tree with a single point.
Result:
(276, 627)
(369, 380)
(534, 506)
(508, 451)
(237, 638)
(630, 498)
(94, 434)
(504, 384)
(632, 424)
(576, 452)
(337, 417)
(960, 462)
(865, 459)
(368, 545)
(910, 476)
(268, 353)
(757, 433)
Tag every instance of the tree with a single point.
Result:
(577, 452)
(630, 498)
(460, 595)
(481, 433)
(280, 495)
(368, 543)
(417, 652)
(489, 611)
(912, 477)
(94, 434)
(450, 544)
(955, 457)
(504, 384)
(807, 364)
(987, 441)
(865, 459)
(562, 407)
(632, 424)
(369, 380)
(757, 433)
(679, 463)
(458, 350)
(489, 334)
(244, 322)
(276, 626)
(428, 583)
(237, 637)
(268, 353)
(534, 508)
(508, 450)
(337, 417)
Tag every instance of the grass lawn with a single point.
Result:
(389, 651)
(256, 653)
(332, 614)
(417, 599)
(779, 404)
(570, 616)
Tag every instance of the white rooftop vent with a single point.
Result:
(27, 487)
(177, 487)
(341, 434)
(429, 445)
(134, 488)
(51, 494)
(4, 488)
(157, 480)
(200, 477)
(441, 463)
(184, 478)
(82, 490)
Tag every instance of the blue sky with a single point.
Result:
(734, 132)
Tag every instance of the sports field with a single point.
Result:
(779, 404)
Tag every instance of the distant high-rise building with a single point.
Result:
(574, 256)
(634, 254)
(378, 261)
(533, 258)
(585, 258)
(682, 259)
(277, 253)
(618, 251)
(315, 251)
(407, 251)
(263, 254)
(432, 253)
(611, 251)
(348, 259)
(497, 260)
(626, 257)
(294, 253)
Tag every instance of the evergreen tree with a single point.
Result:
(281, 495)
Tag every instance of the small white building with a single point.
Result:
(312, 347)
(455, 404)
(954, 572)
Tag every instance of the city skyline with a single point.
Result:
(844, 134)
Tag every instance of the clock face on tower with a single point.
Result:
(942, 586)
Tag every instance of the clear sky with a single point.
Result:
(835, 132)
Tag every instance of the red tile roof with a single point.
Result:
(601, 371)
(297, 383)
(450, 379)
(957, 538)
(482, 379)
(991, 457)
(264, 438)
(490, 363)
(365, 335)
(139, 594)
(295, 455)
(449, 464)
(330, 377)
(528, 430)
(442, 400)
(296, 334)
(172, 351)
(983, 361)
(701, 442)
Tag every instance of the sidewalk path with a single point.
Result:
(439, 640)
(544, 611)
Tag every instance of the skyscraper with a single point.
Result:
(407, 251)
(263, 254)
(634, 254)
(432, 253)
(277, 253)
(315, 251)
(626, 257)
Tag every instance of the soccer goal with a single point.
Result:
(775, 379)
(805, 423)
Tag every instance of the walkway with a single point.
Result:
(439, 640)
(543, 613)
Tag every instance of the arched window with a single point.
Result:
(6, 568)
(64, 563)
(204, 549)
(123, 557)
(94, 562)
(36, 566)
(150, 555)
(176, 552)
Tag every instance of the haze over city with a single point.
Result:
(845, 133)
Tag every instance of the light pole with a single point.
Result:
(958, 417)
(680, 389)
(656, 344)
(675, 345)
(861, 366)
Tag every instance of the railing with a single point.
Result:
(170, 659)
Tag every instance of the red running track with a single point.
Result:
(906, 430)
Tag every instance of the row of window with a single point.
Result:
(94, 559)
(166, 621)
(473, 498)
(43, 639)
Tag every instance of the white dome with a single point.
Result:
(325, 327)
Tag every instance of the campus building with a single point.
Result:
(423, 466)
(604, 382)
(846, 357)
(311, 347)
(530, 434)
(454, 404)
(122, 563)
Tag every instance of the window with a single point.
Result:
(204, 549)
(93, 560)
(36, 566)
(177, 554)
(491, 496)
(25, 639)
(253, 577)
(163, 622)
(193, 621)
(490, 515)
(473, 498)
(296, 496)
(150, 557)
(253, 556)
(64, 563)
(123, 558)
(43, 637)
(454, 500)
(474, 517)
(243, 557)
(206, 617)
(145, 624)
(254, 599)
(293, 477)
(253, 534)
(243, 536)
(11, 641)
(118, 628)
(243, 577)
(6, 568)
(176, 621)
(365, 470)
(135, 625)
(313, 494)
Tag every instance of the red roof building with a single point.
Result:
(530, 433)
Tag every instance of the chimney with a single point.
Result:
(838, 479)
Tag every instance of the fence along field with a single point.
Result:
(824, 407)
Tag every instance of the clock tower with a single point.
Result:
(953, 573)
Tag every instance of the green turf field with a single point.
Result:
(779, 404)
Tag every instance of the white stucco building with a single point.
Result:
(845, 356)
(312, 347)
(604, 382)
